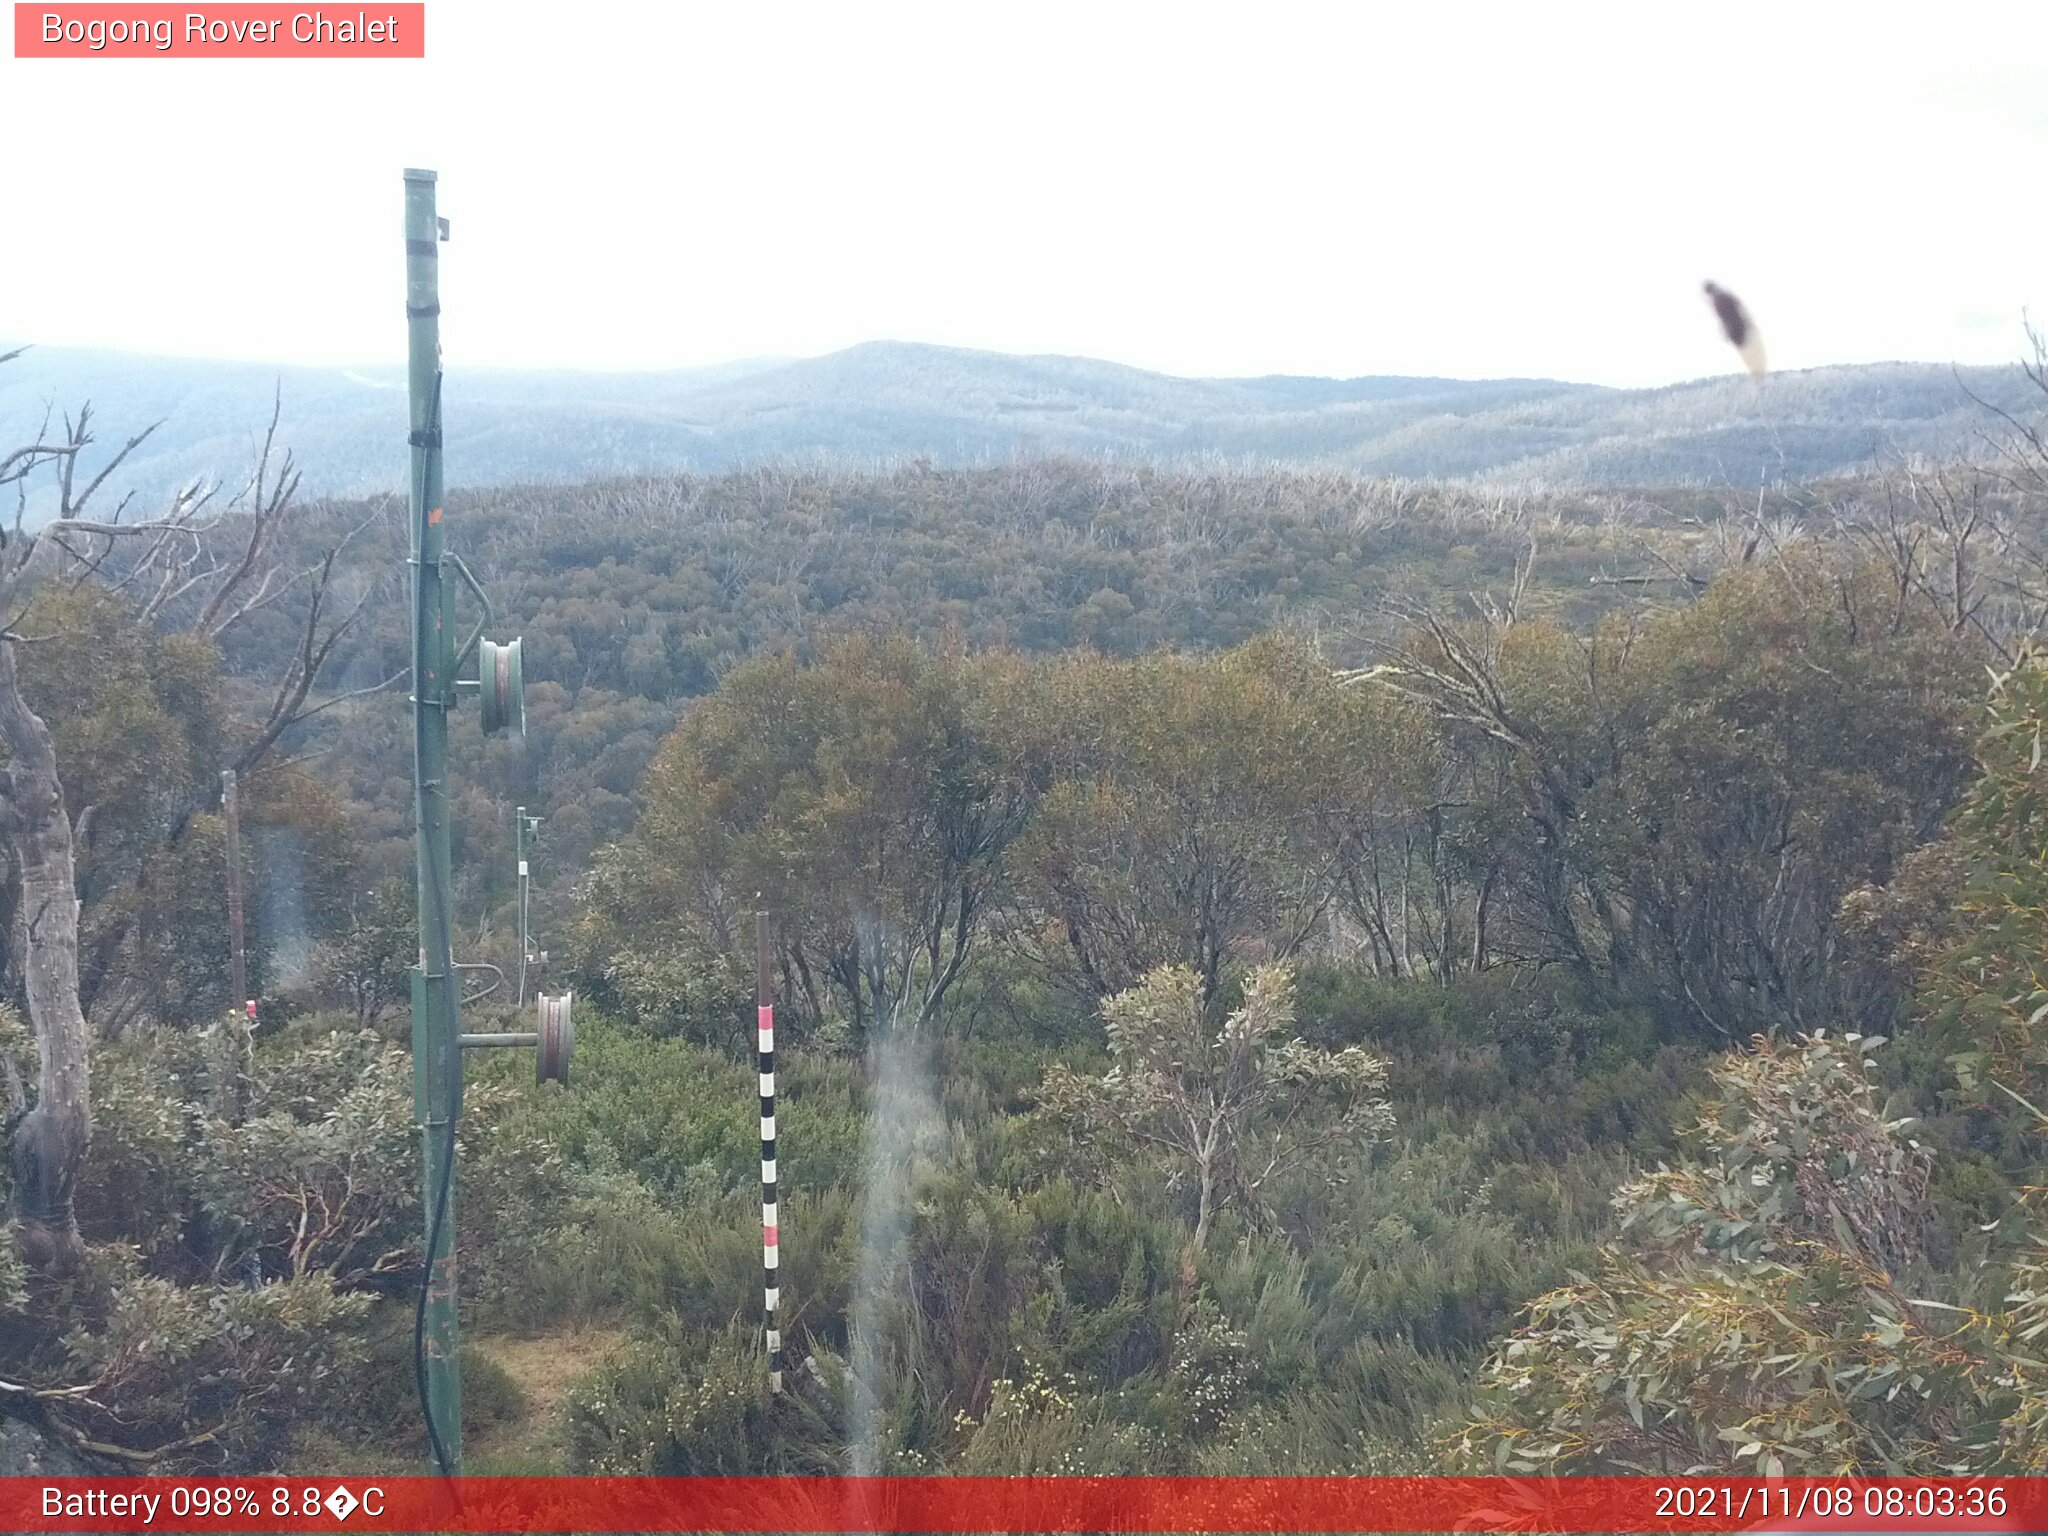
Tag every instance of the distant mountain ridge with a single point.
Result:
(891, 401)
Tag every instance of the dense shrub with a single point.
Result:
(698, 1404)
(184, 1375)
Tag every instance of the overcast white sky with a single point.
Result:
(1532, 189)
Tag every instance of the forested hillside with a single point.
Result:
(887, 403)
(1279, 972)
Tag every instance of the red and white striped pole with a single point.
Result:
(764, 998)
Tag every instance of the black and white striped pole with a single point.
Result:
(771, 1245)
(528, 957)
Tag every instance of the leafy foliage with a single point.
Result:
(1753, 1315)
(1990, 982)
(1228, 1106)
(1680, 804)
(1201, 810)
(861, 798)
(368, 961)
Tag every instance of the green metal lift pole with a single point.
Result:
(436, 1052)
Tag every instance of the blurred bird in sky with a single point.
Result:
(1740, 330)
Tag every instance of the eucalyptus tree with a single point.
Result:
(861, 797)
(1761, 1308)
(1685, 797)
(1228, 1102)
(1200, 810)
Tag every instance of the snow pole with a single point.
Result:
(526, 826)
(764, 1011)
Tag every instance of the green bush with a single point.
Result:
(680, 990)
(1038, 1427)
(684, 1118)
(190, 1375)
(698, 1405)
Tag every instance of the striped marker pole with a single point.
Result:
(764, 998)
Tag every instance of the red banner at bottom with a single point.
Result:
(1021, 1504)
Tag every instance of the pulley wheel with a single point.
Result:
(501, 686)
(557, 1039)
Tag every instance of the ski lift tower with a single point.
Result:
(437, 1041)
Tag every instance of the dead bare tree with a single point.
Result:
(49, 1141)
(1454, 670)
(1939, 537)
(176, 557)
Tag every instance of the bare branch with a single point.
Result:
(69, 507)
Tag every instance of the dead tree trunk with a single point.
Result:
(49, 1145)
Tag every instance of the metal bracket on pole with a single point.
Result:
(481, 965)
(553, 1042)
(464, 650)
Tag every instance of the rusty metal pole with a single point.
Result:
(238, 960)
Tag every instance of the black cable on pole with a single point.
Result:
(419, 1320)
(435, 1224)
